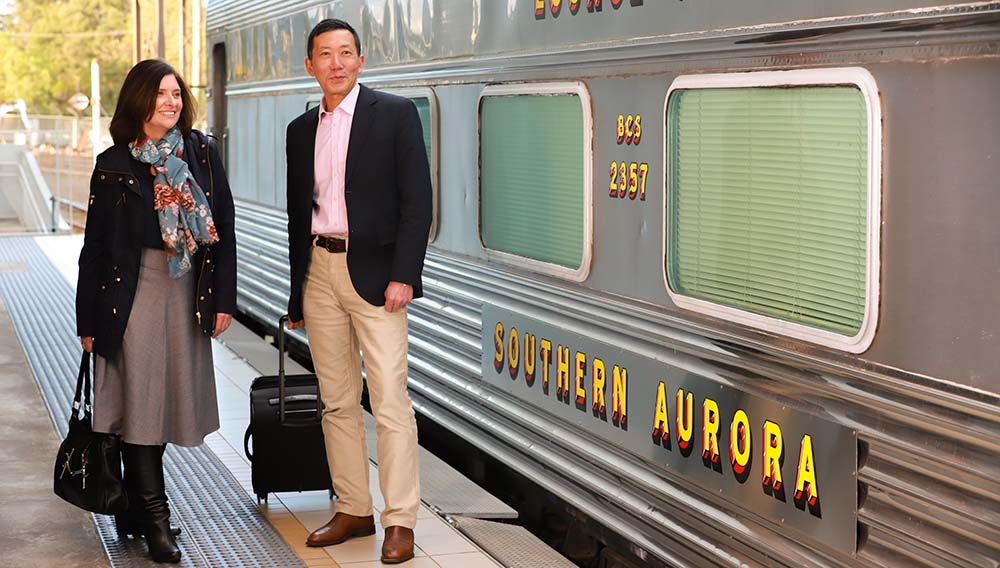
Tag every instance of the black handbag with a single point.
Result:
(88, 470)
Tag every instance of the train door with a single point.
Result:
(219, 125)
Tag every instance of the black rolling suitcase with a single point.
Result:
(285, 426)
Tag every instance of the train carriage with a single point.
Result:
(722, 277)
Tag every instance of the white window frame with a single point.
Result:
(428, 93)
(857, 77)
(556, 88)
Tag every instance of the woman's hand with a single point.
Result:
(87, 343)
(222, 322)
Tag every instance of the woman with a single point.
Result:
(157, 278)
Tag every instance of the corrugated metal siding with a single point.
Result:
(931, 476)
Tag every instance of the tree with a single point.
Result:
(46, 47)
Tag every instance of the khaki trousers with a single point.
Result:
(338, 320)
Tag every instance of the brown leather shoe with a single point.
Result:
(340, 528)
(398, 545)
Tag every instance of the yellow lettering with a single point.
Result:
(739, 444)
(513, 353)
(529, 359)
(643, 171)
(546, 351)
(539, 9)
(562, 373)
(685, 420)
(619, 402)
(599, 408)
(661, 429)
(579, 372)
(773, 452)
(498, 344)
(710, 431)
(806, 489)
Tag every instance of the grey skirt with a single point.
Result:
(160, 387)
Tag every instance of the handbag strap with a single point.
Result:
(82, 388)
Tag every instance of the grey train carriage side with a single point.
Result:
(724, 277)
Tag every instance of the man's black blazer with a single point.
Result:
(387, 190)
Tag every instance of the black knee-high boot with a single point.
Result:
(128, 524)
(145, 471)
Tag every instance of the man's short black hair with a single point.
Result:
(328, 25)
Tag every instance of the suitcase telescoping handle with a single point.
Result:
(282, 399)
(281, 368)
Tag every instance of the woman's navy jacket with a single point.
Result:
(112, 247)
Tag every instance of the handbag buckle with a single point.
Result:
(67, 468)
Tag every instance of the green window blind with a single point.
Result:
(767, 201)
(531, 177)
(424, 110)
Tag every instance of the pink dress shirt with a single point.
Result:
(333, 133)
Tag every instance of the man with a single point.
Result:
(359, 213)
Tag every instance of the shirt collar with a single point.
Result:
(347, 105)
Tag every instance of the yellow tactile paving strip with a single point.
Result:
(294, 515)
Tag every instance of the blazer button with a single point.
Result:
(201, 297)
(204, 161)
(103, 287)
(119, 180)
(118, 279)
(207, 193)
(208, 261)
(103, 177)
(114, 311)
(203, 145)
(209, 291)
(131, 181)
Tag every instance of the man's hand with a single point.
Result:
(222, 322)
(296, 324)
(87, 343)
(397, 295)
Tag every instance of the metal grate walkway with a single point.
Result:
(222, 525)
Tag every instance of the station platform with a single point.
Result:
(209, 486)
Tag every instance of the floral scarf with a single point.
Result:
(184, 214)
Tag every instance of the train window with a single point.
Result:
(535, 178)
(773, 201)
(426, 103)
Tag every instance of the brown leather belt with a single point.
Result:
(331, 244)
